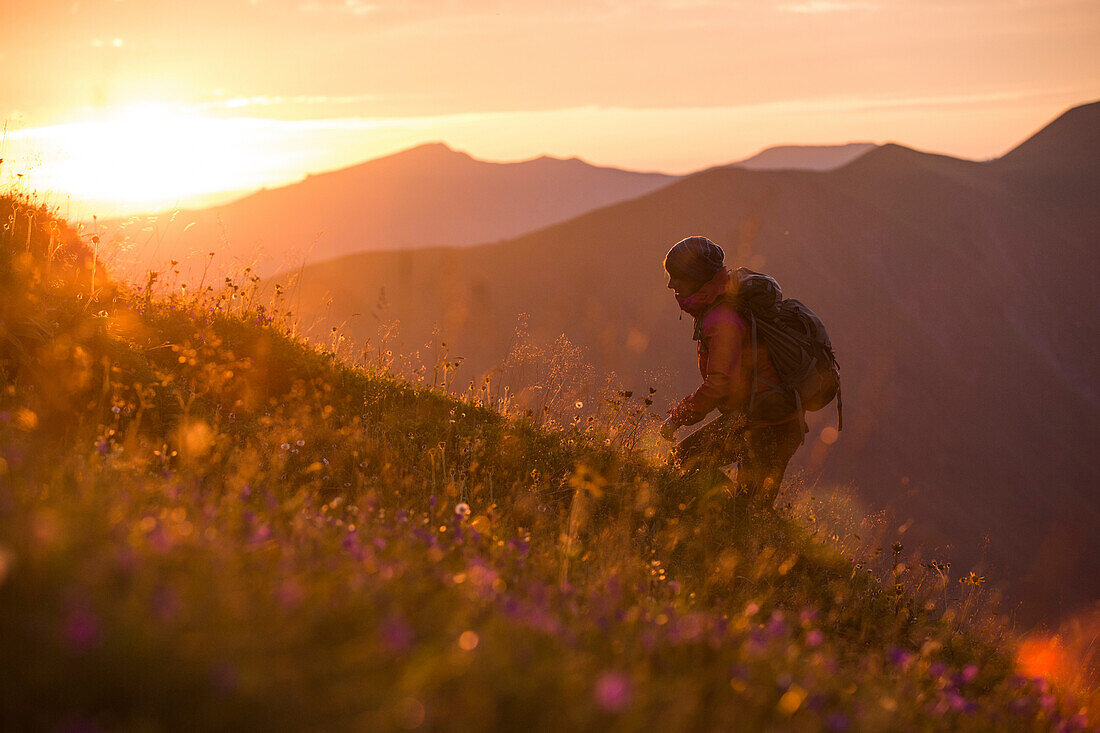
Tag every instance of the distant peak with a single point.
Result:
(888, 153)
(424, 149)
(438, 146)
(805, 157)
(554, 159)
(1069, 142)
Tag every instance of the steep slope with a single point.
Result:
(425, 196)
(1063, 145)
(958, 295)
(205, 524)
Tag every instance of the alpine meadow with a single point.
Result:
(609, 366)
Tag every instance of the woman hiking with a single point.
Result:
(759, 434)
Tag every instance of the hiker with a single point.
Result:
(761, 443)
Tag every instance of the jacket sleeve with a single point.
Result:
(722, 381)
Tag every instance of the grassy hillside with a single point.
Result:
(207, 524)
(952, 291)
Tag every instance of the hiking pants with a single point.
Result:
(761, 453)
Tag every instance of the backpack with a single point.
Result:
(796, 342)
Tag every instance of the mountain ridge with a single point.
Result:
(930, 249)
(423, 196)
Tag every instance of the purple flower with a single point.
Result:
(166, 602)
(777, 626)
(396, 635)
(837, 723)
(81, 629)
(900, 657)
(814, 639)
(956, 701)
(613, 691)
(290, 594)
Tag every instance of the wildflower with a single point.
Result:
(290, 594)
(792, 700)
(285, 446)
(396, 635)
(777, 625)
(462, 510)
(81, 629)
(814, 639)
(613, 691)
(300, 443)
(469, 640)
(412, 713)
(166, 602)
(900, 657)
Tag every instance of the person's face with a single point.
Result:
(681, 285)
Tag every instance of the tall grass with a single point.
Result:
(206, 522)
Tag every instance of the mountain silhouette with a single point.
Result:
(429, 195)
(1063, 145)
(804, 157)
(959, 295)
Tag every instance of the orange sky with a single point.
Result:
(156, 102)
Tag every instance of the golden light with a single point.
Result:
(1041, 656)
(147, 156)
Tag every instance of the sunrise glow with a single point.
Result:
(145, 155)
(137, 105)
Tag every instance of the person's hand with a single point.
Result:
(668, 429)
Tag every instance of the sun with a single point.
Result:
(147, 156)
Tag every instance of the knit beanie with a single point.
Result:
(695, 258)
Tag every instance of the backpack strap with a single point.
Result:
(839, 409)
(801, 415)
(752, 389)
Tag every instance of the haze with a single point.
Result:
(128, 106)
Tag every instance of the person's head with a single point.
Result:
(691, 263)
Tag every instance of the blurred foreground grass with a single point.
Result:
(207, 524)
